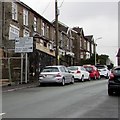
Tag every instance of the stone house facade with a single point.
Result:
(19, 20)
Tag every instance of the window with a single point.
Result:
(71, 44)
(45, 44)
(43, 29)
(67, 43)
(26, 33)
(14, 11)
(50, 69)
(48, 31)
(35, 24)
(13, 32)
(25, 17)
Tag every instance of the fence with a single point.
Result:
(11, 68)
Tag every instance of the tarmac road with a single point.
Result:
(80, 100)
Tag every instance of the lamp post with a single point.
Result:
(95, 47)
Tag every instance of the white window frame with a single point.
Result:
(25, 17)
(35, 23)
(13, 32)
(14, 11)
(48, 30)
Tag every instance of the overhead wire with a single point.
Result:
(61, 4)
(46, 7)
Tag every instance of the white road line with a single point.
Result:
(2, 114)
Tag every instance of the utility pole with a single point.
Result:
(95, 48)
(57, 41)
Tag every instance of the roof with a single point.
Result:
(77, 29)
(89, 37)
(118, 54)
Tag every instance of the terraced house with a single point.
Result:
(19, 20)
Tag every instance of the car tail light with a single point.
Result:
(111, 76)
(58, 75)
(78, 71)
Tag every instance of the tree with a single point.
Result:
(101, 59)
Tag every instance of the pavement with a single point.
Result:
(7, 87)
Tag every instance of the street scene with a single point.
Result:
(79, 100)
(59, 59)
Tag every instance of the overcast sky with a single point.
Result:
(97, 18)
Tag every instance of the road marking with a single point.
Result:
(2, 114)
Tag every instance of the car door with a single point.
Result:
(85, 73)
(67, 74)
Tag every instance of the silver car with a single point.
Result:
(55, 74)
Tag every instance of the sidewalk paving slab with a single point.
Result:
(6, 87)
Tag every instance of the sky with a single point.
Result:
(97, 17)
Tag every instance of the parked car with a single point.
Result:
(55, 74)
(103, 70)
(94, 73)
(114, 81)
(79, 73)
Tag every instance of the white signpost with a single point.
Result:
(24, 45)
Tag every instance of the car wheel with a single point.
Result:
(63, 82)
(99, 77)
(72, 80)
(82, 78)
(89, 78)
(107, 76)
(42, 84)
(110, 92)
(95, 77)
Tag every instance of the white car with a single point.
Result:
(79, 73)
(103, 70)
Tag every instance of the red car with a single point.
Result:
(94, 73)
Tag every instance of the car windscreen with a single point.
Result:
(50, 69)
(100, 66)
(73, 68)
(89, 68)
(117, 71)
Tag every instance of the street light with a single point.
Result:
(95, 47)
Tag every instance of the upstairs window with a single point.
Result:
(35, 24)
(25, 17)
(14, 11)
(48, 32)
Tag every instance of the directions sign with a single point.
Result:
(24, 45)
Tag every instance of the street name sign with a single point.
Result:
(24, 45)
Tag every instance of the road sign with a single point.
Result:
(24, 45)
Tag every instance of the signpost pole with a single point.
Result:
(24, 45)
(26, 67)
(21, 68)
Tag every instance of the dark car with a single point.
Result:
(114, 81)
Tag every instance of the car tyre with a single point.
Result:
(72, 80)
(89, 78)
(63, 82)
(110, 92)
(82, 78)
(95, 77)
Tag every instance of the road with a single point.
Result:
(80, 100)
